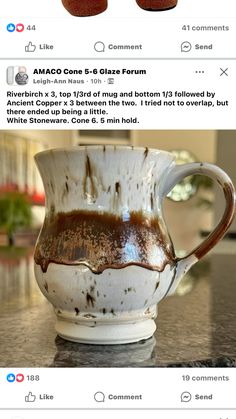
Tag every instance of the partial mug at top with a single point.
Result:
(94, 7)
(157, 5)
(85, 7)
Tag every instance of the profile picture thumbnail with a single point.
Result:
(17, 75)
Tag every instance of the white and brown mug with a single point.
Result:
(104, 258)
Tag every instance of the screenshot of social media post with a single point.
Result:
(117, 94)
(117, 205)
(115, 28)
(112, 256)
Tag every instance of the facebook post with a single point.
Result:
(118, 94)
(117, 205)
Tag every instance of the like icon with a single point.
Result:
(30, 398)
(11, 27)
(11, 378)
(30, 47)
(20, 378)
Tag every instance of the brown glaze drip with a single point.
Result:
(90, 299)
(102, 241)
(85, 7)
(117, 188)
(155, 5)
(152, 201)
(146, 151)
(89, 187)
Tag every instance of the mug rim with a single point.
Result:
(99, 147)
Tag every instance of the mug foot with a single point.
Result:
(156, 5)
(158, 10)
(106, 334)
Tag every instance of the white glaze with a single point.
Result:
(129, 296)
(109, 167)
(117, 305)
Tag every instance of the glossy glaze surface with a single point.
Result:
(104, 258)
(103, 240)
(197, 323)
(104, 208)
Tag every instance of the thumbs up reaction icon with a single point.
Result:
(30, 398)
(30, 47)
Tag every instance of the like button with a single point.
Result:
(30, 47)
(30, 398)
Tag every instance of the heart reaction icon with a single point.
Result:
(20, 378)
(20, 27)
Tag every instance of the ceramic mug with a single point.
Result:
(157, 5)
(104, 258)
(85, 7)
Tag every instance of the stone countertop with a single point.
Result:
(198, 323)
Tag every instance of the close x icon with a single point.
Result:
(224, 72)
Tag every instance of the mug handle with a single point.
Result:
(176, 174)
